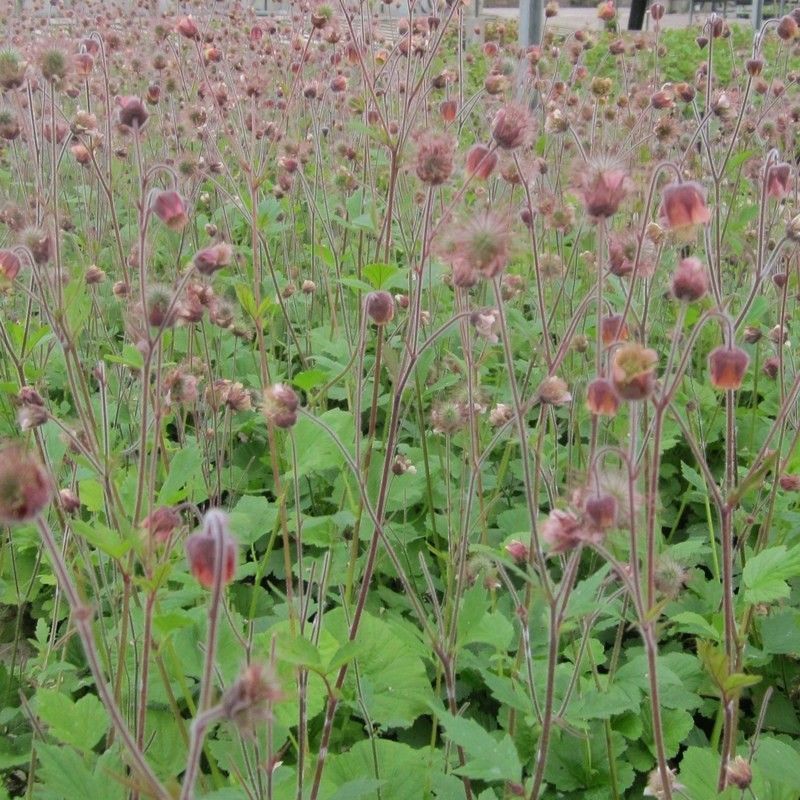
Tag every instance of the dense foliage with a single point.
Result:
(386, 415)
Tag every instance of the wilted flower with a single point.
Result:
(132, 113)
(633, 371)
(247, 702)
(205, 547)
(500, 415)
(210, 259)
(563, 531)
(486, 322)
(738, 773)
(25, 487)
(160, 524)
(655, 786)
(554, 391)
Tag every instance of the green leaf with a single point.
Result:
(66, 776)
(316, 450)
(490, 758)
(80, 724)
(252, 517)
(780, 633)
(382, 276)
(184, 481)
(765, 574)
(693, 623)
(779, 761)
(309, 379)
(101, 537)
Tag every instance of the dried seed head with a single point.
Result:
(554, 391)
(738, 773)
(434, 159)
(54, 65)
(25, 487)
(510, 126)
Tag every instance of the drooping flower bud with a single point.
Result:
(379, 307)
(187, 27)
(481, 161)
(132, 113)
(280, 405)
(9, 264)
(727, 365)
(689, 281)
(25, 487)
(160, 524)
(738, 773)
(206, 546)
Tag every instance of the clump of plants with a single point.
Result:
(389, 417)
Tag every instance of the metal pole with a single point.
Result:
(531, 22)
(757, 14)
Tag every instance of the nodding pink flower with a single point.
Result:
(481, 161)
(606, 11)
(727, 365)
(601, 510)
(280, 405)
(9, 264)
(601, 399)
(690, 280)
(510, 126)
(613, 328)
(683, 205)
(204, 546)
(633, 371)
(448, 109)
(170, 208)
(603, 189)
(779, 180)
(132, 113)
(25, 487)
(187, 28)
(210, 259)
(657, 11)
